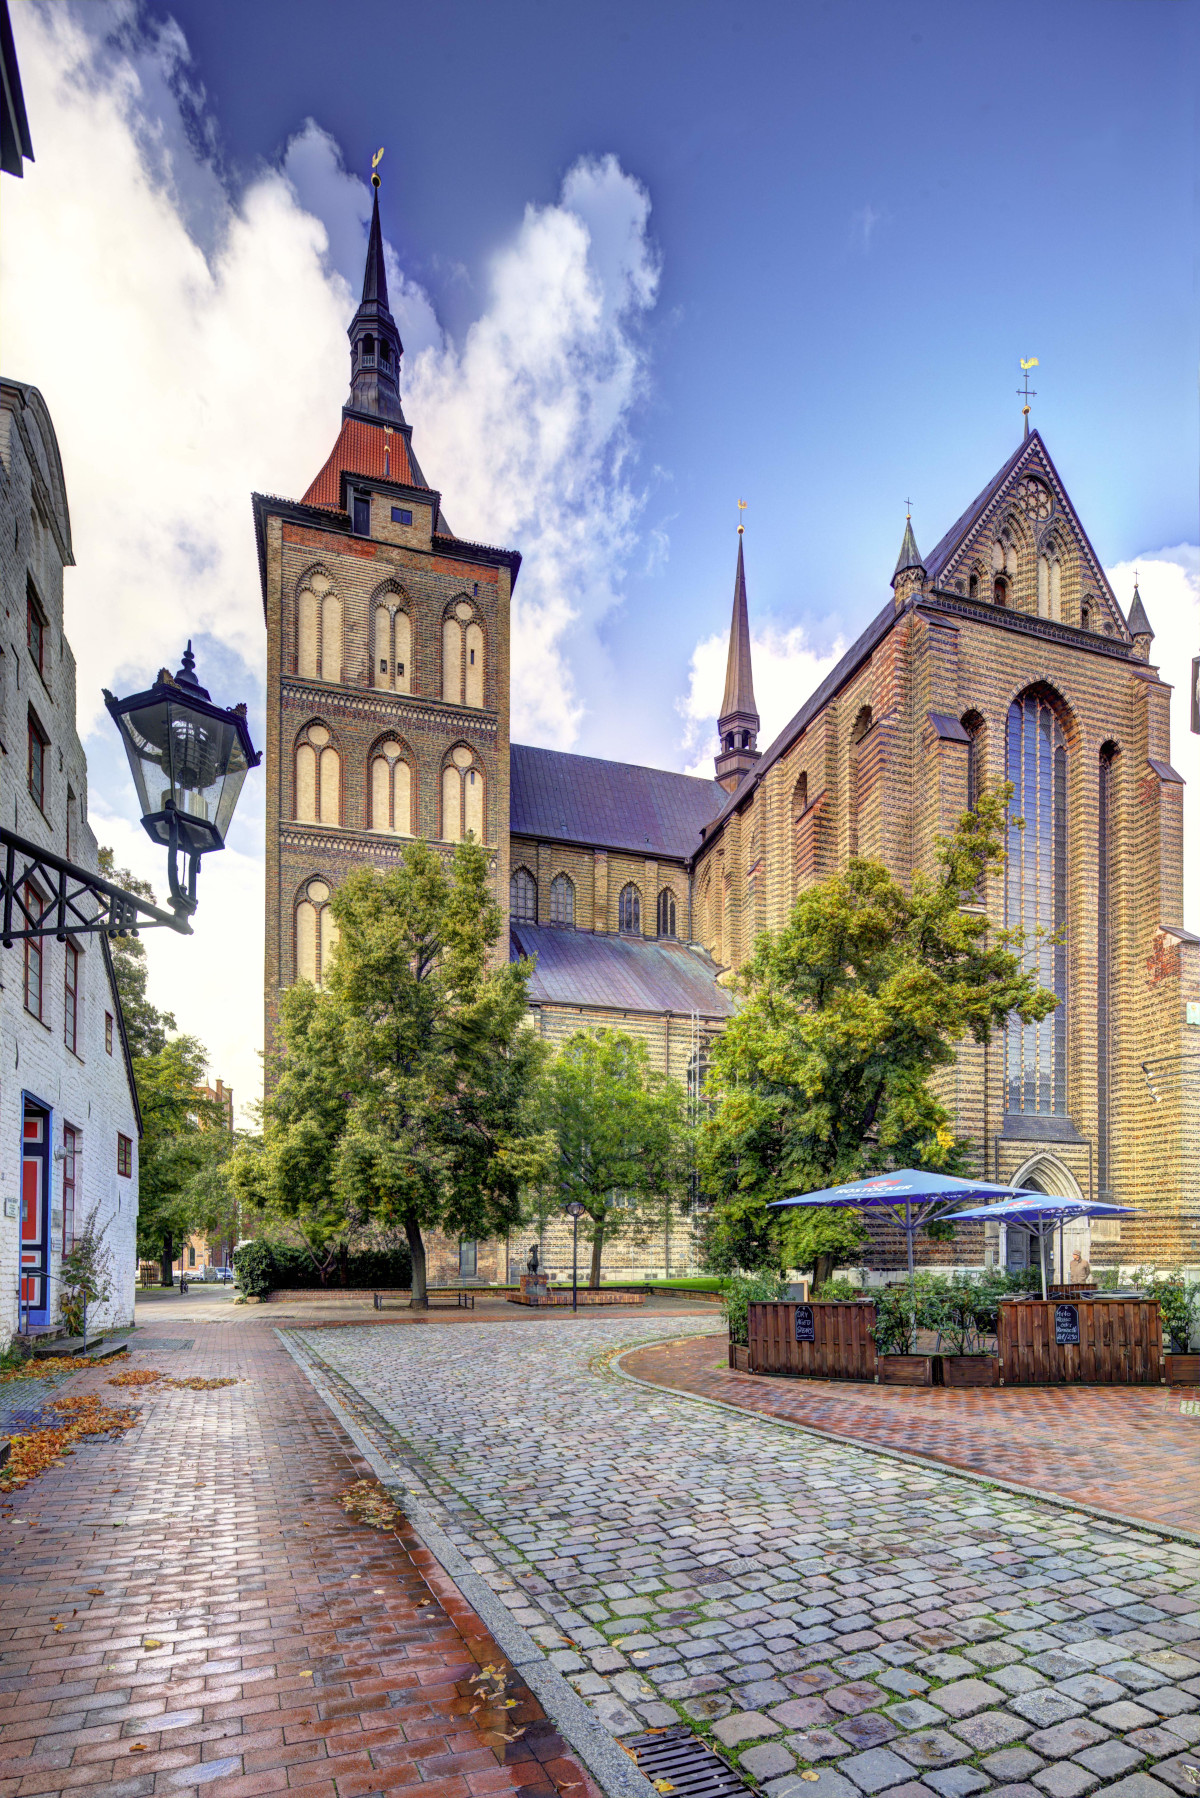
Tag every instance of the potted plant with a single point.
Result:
(898, 1317)
(741, 1291)
(1178, 1299)
(963, 1315)
(85, 1277)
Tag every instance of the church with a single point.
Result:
(1001, 655)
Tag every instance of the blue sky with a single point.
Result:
(647, 261)
(865, 214)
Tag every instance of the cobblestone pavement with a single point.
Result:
(877, 1626)
(1092, 1443)
(188, 1608)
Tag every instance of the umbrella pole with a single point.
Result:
(912, 1278)
(1042, 1257)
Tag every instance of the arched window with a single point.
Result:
(318, 797)
(462, 656)
(391, 790)
(1104, 921)
(1000, 591)
(462, 797)
(666, 912)
(562, 900)
(973, 725)
(523, 896)
(318, 629)
(1049, 584)
(368, 349)
(973, 586)
(316, 933)
(862, 725)
(1035, 896)
(1085, 616)
(629, 910)
(391, 660)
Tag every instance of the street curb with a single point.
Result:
(1172, 1533)
(614, 1770)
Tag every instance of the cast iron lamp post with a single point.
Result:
(189, 759)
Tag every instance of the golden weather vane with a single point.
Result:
(1027, 393)
(375, 162)
(741, 509)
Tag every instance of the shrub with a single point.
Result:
(839, 1290)
(741, 1290)
(254, 1266)
(1178, 1300)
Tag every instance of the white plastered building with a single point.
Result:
(69, 1122)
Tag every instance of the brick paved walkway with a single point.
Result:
(1127, 1449)
(244, 1630)
(879, 1625)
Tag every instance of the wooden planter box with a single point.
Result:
(739, 1358)
(905, 1370)
(970, 1370)
(1183, 1370)
(1099, 1341)
(821, 1341)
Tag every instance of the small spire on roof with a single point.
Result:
(739, 721)
(910, 555)
(1139, 624)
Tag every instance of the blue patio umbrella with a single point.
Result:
(1041, 1214)
(913, 1196)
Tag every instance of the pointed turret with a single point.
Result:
(739, 721)
(1139, 625)
(375, 346)
(909, 573)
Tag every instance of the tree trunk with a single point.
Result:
(168, 1257)
(420, 1294)
(597, 1251)
(822, 1270)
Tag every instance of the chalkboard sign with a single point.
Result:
(1066, 1324)
(806, 1330)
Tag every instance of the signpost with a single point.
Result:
(806, 1330)
(1066, 1325)
(575, 1210)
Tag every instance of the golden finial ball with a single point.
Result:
(375, 181)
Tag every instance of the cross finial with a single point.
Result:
(741, 509)
(1026, 392)
(375, 162)
(908, 507)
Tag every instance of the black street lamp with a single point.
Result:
(188, 758)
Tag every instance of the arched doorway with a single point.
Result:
(1047, 1174)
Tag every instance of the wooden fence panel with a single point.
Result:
(836, 1340)
(1094, 1342)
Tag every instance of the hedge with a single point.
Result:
(263, 1267)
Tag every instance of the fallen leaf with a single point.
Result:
(663, 1785)
(137, 1748)
(95, 1592)
(306, 1673)
(809, 1774)
(59, 1626)
(151, 1642)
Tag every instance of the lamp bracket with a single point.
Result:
(72, 901)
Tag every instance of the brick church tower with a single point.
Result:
(387, 662)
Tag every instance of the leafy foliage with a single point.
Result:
(263, 1266)
(85, 1274)
(742, 1290)
(146, 1028)
(962, 1310)
(403, 1093)
(621, 1131)
(1178, 1301)
(182, 1176)
(254, 1268)
(826, 1073)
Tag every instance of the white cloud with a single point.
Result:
(786, 670)
(1169, 582)
(190, 342)
(862, 226)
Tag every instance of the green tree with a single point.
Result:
(826, 1073)
(621, 1132)
(182, 1186)
(403, 1095)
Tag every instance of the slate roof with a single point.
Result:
(620, 973)
(613, 805)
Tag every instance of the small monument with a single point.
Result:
(534, 1287)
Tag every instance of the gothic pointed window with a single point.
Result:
(462, 656)
(1000, 591)
(857, 784)
(1104, 968)
(318, 629)
(629, 910)
(562, 900)
(522, 896)
(318, 777)
(973, 586)
(1035, 897)
(391, 790)
(316, 934)
(463, 797)
(666, 912)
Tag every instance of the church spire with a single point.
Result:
(738, 723)
(375, 346)
(1139, 625)
(908, 575)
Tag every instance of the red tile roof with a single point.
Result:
(376, 451)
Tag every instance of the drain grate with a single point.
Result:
(679, 1757)
(160, 1345)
